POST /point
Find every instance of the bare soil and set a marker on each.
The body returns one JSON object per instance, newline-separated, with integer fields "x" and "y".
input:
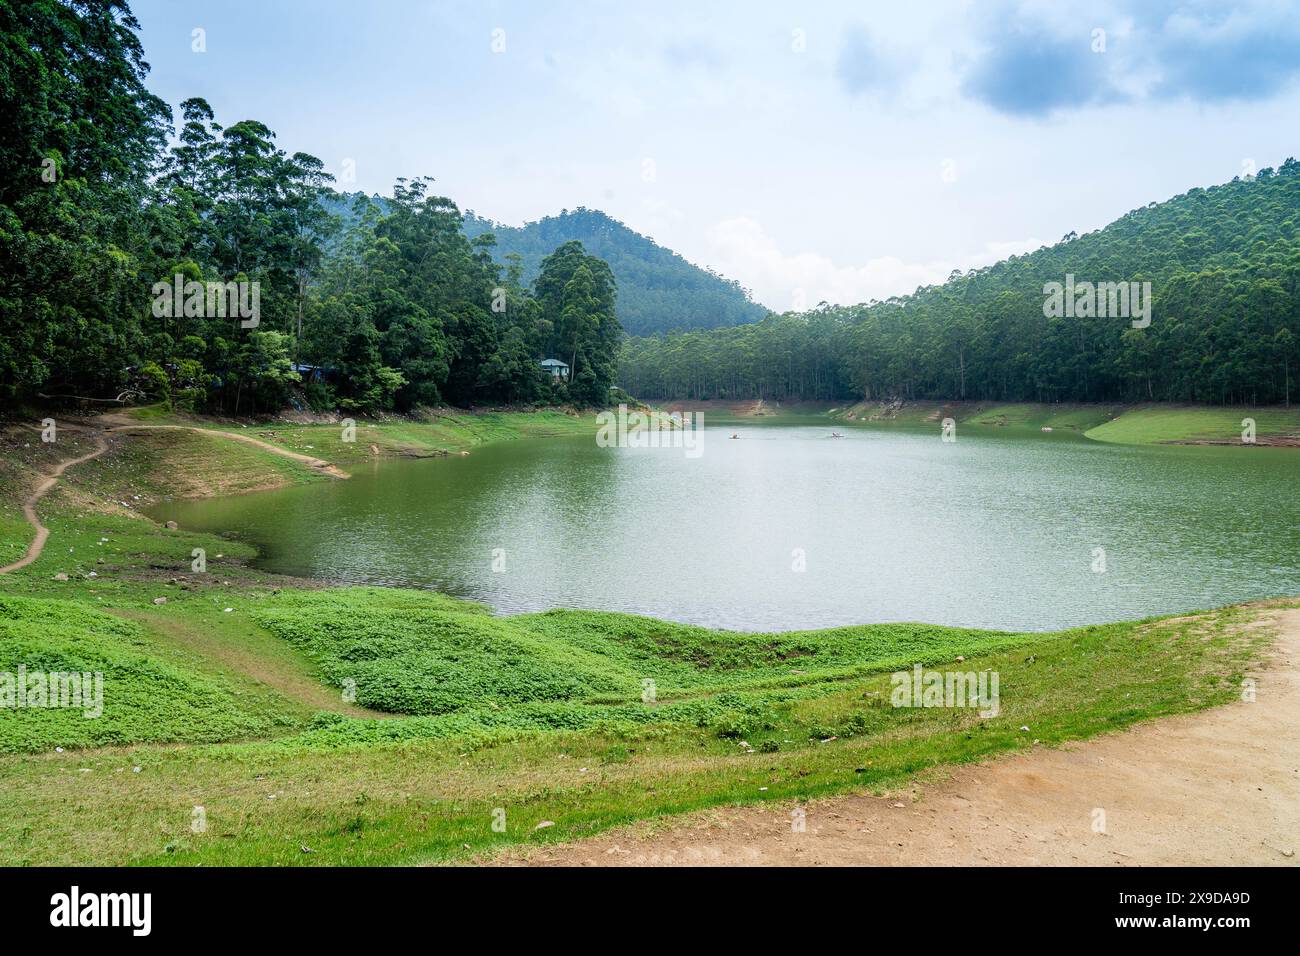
{"x": 1220, "y": 787}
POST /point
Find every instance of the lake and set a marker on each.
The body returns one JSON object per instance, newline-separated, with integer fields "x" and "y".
{"x": 788, "y": 528}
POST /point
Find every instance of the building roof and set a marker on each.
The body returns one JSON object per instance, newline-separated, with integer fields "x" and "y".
{"x": 554, "y": 363}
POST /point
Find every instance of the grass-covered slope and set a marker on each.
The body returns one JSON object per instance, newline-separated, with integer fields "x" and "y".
{"x": 428, "y": 789}
{"x": 413, "y": 652}
{"x": 1121, "y": 424}
{"x": 461, "y": 671}
{"x": 428, "y": 435}
{"x": 139, "y": 697}
{"x": 1148, "y": 424}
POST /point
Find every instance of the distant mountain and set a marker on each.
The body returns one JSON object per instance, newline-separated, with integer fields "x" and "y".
{"x": 658, "y": 290}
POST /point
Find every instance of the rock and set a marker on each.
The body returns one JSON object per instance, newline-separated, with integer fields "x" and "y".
{"x": 171, "y": 526}
{"x": 544, "y": 824}
{"x": 60, "y": 576}
{"x": 159, "y": 600}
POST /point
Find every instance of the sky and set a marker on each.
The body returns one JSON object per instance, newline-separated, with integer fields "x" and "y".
{"x": 813, "y": 151}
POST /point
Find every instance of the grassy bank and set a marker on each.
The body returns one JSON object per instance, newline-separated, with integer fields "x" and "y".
{"x": 579, "y": 748}
{"x": 366, "y": 725}
{"x": 430, "y": 434}
{"x": 1121, "y": 424}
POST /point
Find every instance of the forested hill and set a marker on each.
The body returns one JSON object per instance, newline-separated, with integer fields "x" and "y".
{"x": 200, "y": 264}
{"x": 1224, "y": 269}
{"x": 658, "y": 290}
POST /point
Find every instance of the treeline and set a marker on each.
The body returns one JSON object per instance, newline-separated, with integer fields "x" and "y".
{"x": 212, "y": 273}
{"x": 1224, "y": 268}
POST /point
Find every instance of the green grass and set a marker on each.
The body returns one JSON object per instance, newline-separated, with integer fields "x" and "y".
{"x": 1164, "y": 423}
{"x": 1075, "y": 418}
{"x": 411, "y": 652}
{"x": 436, "y": 433}
{"x": 398, "y": 795}
{"x": 1121, "y": 424}
{"x": 459, "y": 712}
{"x": 143, "y": 698}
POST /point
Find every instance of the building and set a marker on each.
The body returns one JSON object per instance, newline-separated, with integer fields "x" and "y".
{"x": 556, "y": 369}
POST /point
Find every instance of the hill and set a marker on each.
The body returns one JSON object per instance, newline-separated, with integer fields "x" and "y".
{"x": 658, "y": 290}
{"x": 1222, "y": 321}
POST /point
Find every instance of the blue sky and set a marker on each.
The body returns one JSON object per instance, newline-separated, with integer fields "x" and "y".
{"x": 830, "y": 151}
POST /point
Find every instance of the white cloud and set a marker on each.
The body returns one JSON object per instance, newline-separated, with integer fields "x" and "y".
{"x": 740, "y": 249}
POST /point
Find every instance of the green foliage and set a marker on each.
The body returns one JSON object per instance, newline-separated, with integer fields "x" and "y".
{"x": 658, "y": 290}
{"x": 79, "y": 136}
{"x": 464, "y": 671}
{"x": 144, "y": 698}
{"x": 1224, "y": 268}
{"x": 575, "y": 292}
{"x": 99, "y": 220}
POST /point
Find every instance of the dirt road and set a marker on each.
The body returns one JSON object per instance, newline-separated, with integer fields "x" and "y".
{"x": 1218, "y": 787}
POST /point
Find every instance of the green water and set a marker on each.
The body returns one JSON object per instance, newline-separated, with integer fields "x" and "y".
{"x": 993, "y": 530}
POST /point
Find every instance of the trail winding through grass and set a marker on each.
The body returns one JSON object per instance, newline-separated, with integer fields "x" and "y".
{"x": 118, "y": 424}
{"x": 110, "y": 424}
{"x": 29, "y": 505}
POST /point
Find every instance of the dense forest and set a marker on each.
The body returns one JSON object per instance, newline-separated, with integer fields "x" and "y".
{"x": 131, "y": 248}
{"x": 1224, "y": 268}
{"x": 658, "y": 290}
{"x": 203, "y": 266}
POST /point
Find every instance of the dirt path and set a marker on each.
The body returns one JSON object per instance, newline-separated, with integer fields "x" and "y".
{"x": 109, "y": 424}
{"x": 320, "y": 464}
{"x": 29, "y": 505}
{"x": 1219, "y": 787}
